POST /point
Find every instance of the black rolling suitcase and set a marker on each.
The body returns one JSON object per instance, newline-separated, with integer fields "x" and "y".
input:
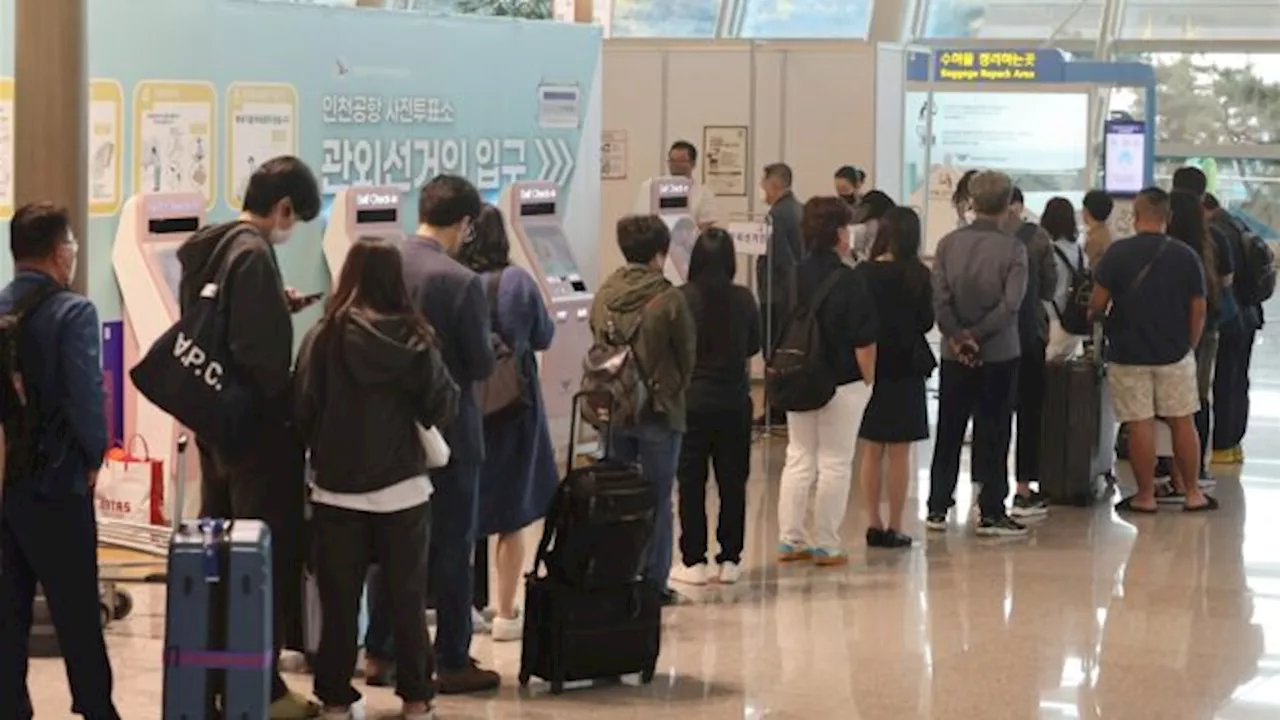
{"x": 589, "y": 611}
{"x": 1069, "y": 432}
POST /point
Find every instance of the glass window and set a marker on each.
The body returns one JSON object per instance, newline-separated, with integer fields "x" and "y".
{"x": 1201, "y": 19}
{"x": 665, "y": 18}
{"x": 1212, "y": 98}
{"x": 806, "y": 18}
{"x": 1248, "y": 187}
{"x": 1014, "y": 19}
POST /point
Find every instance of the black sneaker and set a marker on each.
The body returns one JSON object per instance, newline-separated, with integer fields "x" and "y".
{"x": 893, "y": 539}
{"x": 936, "y": 522}
{"x": 876, "y": 537}
{"x": 1004, "y": 526}
{"x": 1033, "y": 505}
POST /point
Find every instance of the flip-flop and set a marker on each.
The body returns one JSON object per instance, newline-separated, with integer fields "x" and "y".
{"x": 1210, "y": 504}
{"x": 1126, "y": 506}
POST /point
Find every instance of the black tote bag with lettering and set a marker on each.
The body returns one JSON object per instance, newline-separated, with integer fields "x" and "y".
{"x": 189, "y": 373}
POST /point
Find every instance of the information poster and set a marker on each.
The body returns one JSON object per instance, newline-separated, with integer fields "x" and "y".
{"x": 559, "y": 106}
{"x": 613, "y": 155}
{"x": 6, "y": 147}
{"x": 1125, "y": 158}
{"x": 724, "y": 168}
{"x": 106, "y": 142}
{"x": 262, "y": 123}
{"x": 1017, "y": 132}
{"x": 173, "y": 129}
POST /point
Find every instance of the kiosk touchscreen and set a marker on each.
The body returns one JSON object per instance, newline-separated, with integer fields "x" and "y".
{"x": 539, "y": 245}
{"x": 360, "y": 211}
{"x": 670, "y": 199}
{"x": 145, "y": 259}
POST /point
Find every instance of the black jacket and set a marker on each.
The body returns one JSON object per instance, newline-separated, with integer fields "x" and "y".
{"x": 362, "y": 388}
{"x": 260, "y": 329}
{"x": 847, "y": 317}
{"x": 776, "y": 269}
{"x": 720, "y": 377}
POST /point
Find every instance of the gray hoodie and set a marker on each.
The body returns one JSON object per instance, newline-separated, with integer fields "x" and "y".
{"x": 979, "y": 280}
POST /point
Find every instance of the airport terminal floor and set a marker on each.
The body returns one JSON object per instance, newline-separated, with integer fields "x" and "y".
{"x": 1169, "y": 617}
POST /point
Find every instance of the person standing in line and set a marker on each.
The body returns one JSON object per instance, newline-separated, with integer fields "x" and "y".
{"x": 896, "y": 416}
{"x": 1059, "y": 221}
{"x": 369, "y": 375}
{"x": 265, "y": 479}
{"x": 1097, "y": 209}
{"x": 519, "y": 476}
{"x": 452, "y": 298}
{"x": 849, "y": 182}
{"x": 776, "y": 269}
{"x": 866, "y": 222}
{"x": 1033, "y": 336}
{"x": 48, "y": 533}
{"x": 1151, "y": 291}
{"x": 638, "y": 296}
{"x": 821, "y": 443}
{"x": 962, "y": 200}
{"x": 979, "y": 281}
{"x": 682, "y": 160}
{"x": 719, "y": 399}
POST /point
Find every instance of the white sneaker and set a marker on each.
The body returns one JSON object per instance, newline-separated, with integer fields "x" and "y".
{"x": 730, "y": 572}
{"x": 690, "y": 574}
{"x": 508, "y": 629}
{"x": 479, "y": 626}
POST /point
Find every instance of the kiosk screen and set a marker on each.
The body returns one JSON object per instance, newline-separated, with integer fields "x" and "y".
{"x": 166, "y": 256}
{"x": 535, "y": 209}
{"x": 552, "y": 249}
{"x": 385, "y": 215}
{"x": 678, "y": 202}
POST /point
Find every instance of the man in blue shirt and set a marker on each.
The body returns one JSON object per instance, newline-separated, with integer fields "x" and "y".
{"x": 48, "y": 533}
{"x": 1152, "y": 290}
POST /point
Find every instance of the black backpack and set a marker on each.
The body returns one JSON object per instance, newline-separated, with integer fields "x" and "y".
{"x": 1074, "y": 313}
{"x": 798, "y": 377}
{"x": 25, "y": 454}
{"x": 1255, "y": 278}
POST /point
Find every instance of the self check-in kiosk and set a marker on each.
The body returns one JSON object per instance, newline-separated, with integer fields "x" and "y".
{"x": 670, "y": 198}
{"x": 539, "y": 245}
{"x": 145, "y": 259}
{"x": 358, "y": 212}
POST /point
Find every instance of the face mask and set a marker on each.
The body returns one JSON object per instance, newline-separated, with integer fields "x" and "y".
{"x": 851, "y": 198}
{"x": 279, "y": 236}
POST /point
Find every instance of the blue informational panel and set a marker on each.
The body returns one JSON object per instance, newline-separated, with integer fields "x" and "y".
{"x": 191, "y": 96}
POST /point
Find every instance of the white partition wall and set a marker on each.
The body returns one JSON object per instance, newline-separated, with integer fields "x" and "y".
{"x": 808, "y": 104}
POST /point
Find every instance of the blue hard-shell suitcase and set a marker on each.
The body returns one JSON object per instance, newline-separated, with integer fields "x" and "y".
{"x": 218, "y": 621}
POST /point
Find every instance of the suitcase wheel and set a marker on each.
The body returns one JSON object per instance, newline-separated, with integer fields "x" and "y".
{"x": 106, "y": 613}
{"x": 123, "y": 605}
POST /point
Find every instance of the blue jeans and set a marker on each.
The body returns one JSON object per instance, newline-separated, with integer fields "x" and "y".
{"x": 455, "y": 512}
{"x": 657, "y": 450}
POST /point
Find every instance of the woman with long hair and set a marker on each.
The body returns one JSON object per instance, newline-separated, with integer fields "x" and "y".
{"x": 719, "y": 406}
{"x": 866, "y": 222}
{"x": 960, "y": 200}
{"x": 820, "y": 443}
{"x": 896, "y": 416}
{"x": 1059, "y": 221}
{"x": 369, "y": 378}
{"x": 519, "y": 474}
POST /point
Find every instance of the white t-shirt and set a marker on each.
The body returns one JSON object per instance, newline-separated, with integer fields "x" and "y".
{"x": 405, "y": 494}
{"x": 702, "y": 200}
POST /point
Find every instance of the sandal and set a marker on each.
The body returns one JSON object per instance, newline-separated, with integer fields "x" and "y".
{"x": 1126, "y": 506}
{"x": 1210, "y": 504}
{"x": 1167, "y": 494}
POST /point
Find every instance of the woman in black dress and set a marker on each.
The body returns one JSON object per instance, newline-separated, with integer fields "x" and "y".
{"x": 896, "y": 416}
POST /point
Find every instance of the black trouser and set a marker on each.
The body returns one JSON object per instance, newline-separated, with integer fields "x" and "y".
{"x": 984, "y": 393}
{"x": 1030, "y": 408}
{"x": 345, "y": 543}
{"x": 52, "y": 541}
{"x": 722, "y": 438}
{"x": 266, "y": 482}
{"x": 1231, "y": 387}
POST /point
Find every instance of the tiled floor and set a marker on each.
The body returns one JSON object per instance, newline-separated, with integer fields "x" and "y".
{"x": 1165, "y": 617}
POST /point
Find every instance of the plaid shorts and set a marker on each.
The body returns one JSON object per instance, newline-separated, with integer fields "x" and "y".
{"x": 1143, "y": 392}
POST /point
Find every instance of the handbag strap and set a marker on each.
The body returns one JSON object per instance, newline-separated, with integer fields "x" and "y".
{"x": 1146, "y": 269}
{"x": 491, "y": 293}
{"x": 549, "y": 524}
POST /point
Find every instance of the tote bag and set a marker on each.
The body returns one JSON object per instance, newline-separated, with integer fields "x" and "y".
{"x": 131, "y": 486}
{"x": 189, "y": 372}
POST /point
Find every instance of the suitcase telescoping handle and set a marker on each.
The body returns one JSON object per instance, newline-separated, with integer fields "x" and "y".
{"x": 575, "y": 415}
{"x": 180, "y": 481}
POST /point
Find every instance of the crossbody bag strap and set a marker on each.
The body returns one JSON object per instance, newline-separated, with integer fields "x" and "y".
{"x": 1146, "y": 269}
{"x": 491, "y": 293}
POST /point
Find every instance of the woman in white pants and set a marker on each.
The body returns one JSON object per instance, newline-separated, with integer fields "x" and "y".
{"x": 822, "y": 442}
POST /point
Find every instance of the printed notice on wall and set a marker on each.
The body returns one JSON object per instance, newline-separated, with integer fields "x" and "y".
{"x": 725, "y": 168}
{"x": 262, "y": 123}
{"x": 558, "y": 106}
{"x": 106, "y": 142}
{"x": 6, "y": 147}
{"x": 613, "y": 155}
{"x": 173, "y": 138}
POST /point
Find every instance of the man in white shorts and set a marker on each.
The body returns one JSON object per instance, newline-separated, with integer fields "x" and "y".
{"x": 1151, "y": 289}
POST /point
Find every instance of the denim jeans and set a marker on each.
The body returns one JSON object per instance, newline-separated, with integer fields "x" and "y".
{"x": 657, "y": 450}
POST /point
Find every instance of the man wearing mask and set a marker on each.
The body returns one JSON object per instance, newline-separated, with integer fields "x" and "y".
{"x": 264, "y": 479}
{"x": 452, "y": 298}
{"x": 682, "y": 159}
{"x": 776, "y": 269}
{"x": 47, "y": 529}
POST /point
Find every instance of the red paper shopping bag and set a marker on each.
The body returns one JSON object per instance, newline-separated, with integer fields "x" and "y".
{"x": 130, "y": 486}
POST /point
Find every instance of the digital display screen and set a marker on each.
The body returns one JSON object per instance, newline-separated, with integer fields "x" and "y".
{"x": 1125, "y": 157}
{"x": 166, "y": 256}
{"x": 386, "y": 215}
{"x": 552, "y": 250}
{"x": 538, "y": 209}
{"x": 669, "y": 203}
{"x": 173, "y": 225}
{"x": 684, "y": 233}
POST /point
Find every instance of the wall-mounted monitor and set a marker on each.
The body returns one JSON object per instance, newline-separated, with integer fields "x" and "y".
{"x": 1124, "y": 159}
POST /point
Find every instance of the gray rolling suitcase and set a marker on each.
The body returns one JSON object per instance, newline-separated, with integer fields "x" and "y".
{"x": 218, "y": 622}
{"x": 1069, "y": 433}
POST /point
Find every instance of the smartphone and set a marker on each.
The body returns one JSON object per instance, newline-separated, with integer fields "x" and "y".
{"x": 306, "y": 301}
